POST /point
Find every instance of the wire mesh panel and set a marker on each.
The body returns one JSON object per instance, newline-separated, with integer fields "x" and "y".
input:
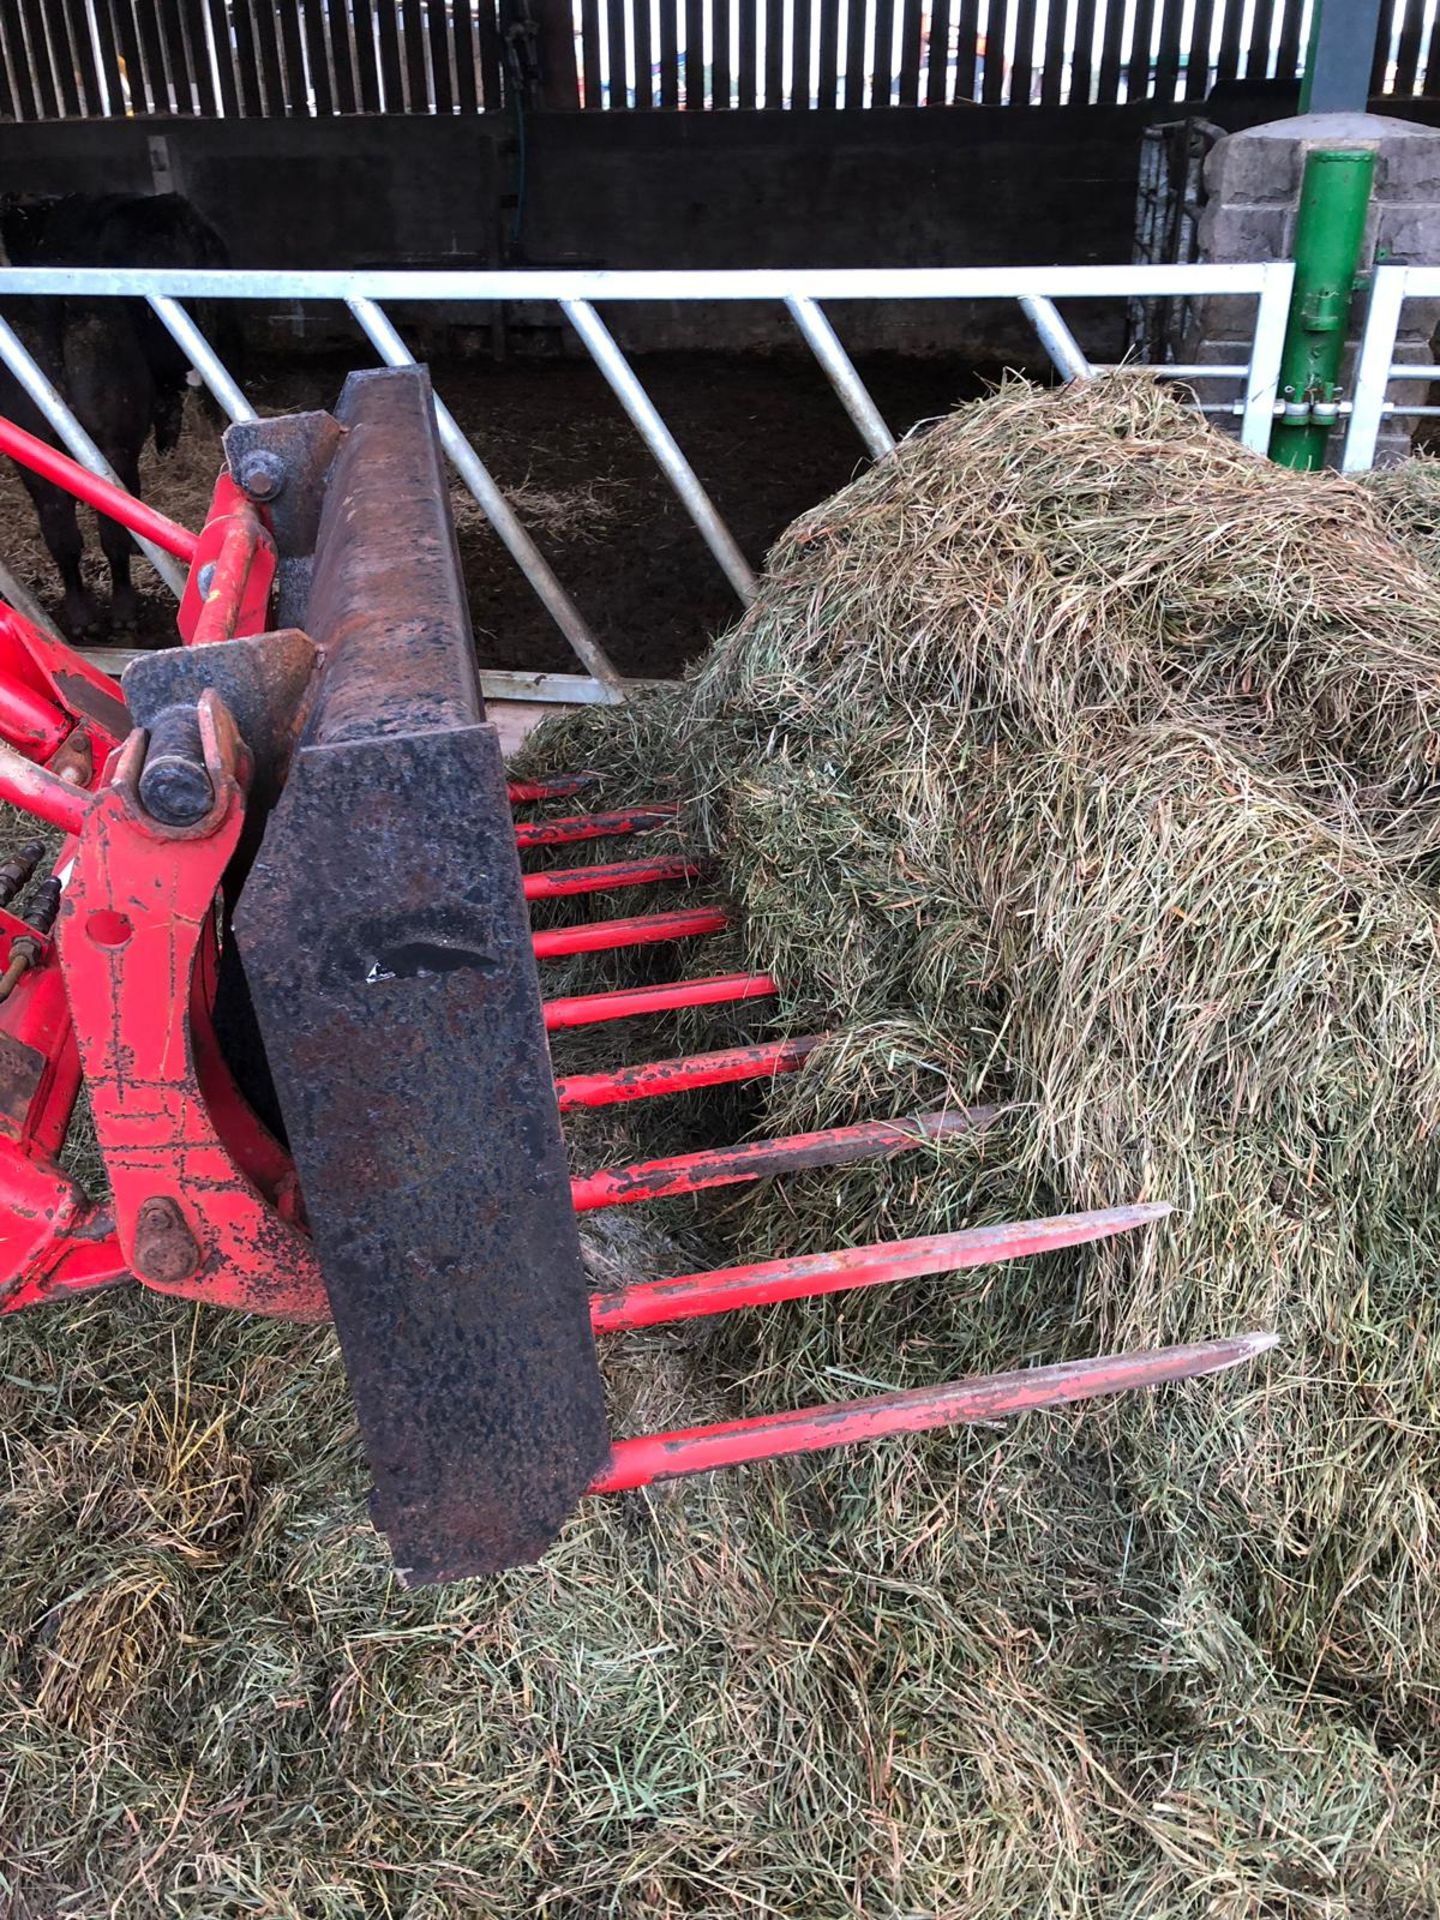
{"x": 1168, "y": 203}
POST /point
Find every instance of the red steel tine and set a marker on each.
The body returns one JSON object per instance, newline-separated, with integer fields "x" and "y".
{"x": 652, "y": 1303}
{"x": 591, "y": 826}
{"x": 644, "y": 929}
{"x": 35, "y": 790}
{"x": 658, "y": 1077}
{"x": 665, "y": 1456}
{"x": 759, "y": 1159}
{"x": 557, "y": 786}
{"x": 559, "y": 882}
{"x": 96, "y": 491}
{"x": 626, "y": 1003}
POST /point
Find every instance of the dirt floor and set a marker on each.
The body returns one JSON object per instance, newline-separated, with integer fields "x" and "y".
{"x": 766, "y": 435}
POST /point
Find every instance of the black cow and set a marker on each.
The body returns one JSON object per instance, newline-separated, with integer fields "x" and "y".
{"x": 116, "y": 365}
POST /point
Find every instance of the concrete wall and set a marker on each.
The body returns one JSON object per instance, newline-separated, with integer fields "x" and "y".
{"x": 927, "y": 187}
{"x": 906, "y": 187}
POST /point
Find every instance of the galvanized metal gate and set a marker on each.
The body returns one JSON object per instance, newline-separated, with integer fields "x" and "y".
{"x": 1377, "y": 369}
{"x": 579, "y": 296}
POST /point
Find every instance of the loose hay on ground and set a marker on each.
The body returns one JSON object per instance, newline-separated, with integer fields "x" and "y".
{"x": 1073, "y": 759}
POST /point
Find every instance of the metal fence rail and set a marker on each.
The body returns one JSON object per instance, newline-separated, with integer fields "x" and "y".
{"x": 826, "y": 54}
{"x": 1036, "y": 290}
{"x": 1376, "y": 368}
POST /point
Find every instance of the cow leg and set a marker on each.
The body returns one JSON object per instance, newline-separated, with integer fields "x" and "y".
{"x": 60, "y": 530}
{"x": 118, "y": 546}
{"x": 112, "y": 394}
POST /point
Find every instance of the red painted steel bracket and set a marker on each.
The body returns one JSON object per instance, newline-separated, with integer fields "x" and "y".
{"x": 201, "y": 1212}
{"x": 232, "y": 572}
{"x": 51, "y": 1237}
{"x": 55, "y": 708}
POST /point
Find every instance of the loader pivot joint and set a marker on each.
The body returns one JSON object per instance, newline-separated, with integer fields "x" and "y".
{"x": 175, "y": 787}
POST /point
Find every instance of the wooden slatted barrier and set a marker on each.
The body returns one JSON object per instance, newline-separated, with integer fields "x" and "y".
{"x": 67, "y": 59}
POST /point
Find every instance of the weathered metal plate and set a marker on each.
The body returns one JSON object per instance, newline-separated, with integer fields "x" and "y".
{"x": 386, "y": 942}
{"x": 262, "y": 678}
{"x": 302, "y": 447}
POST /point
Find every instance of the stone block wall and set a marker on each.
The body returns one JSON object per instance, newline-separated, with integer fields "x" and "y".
{"x": 1253, "y": 183}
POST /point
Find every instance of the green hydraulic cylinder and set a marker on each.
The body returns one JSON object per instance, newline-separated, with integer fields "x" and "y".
{"x": 1329, "y": 234}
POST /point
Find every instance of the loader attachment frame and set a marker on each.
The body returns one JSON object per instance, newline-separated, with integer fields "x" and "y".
{"x": 284, "y": 945}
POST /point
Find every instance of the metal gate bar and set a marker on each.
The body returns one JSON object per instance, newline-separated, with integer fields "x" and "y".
{"x": 824, "y": 343}
{"x": 1374, "y": 365}
{"x": 202, "y": 356}
{"x": 1056, "y": 337}
{"x": 46, "y": 396}
{"x": 625, "y": 384}
{"x": 16, "y": 594}
{"x": 1035, "y": 288}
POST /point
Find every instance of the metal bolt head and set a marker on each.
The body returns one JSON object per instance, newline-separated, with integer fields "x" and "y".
{"x": 262, "y": 475}
{"x": 165, "y": 1249}
{"x": 205, "y": 579}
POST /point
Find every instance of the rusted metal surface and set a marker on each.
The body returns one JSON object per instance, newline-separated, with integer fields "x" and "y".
{"x": 165, "y": 1249}
{"x": 98, "y": 703}
{"x": 558, "y": 786}
{"x": 22, "y": 1069}
{"x": 654, "y": 1303}
{"x": 175, "y": 786}
{"x": 24, "y": 952}
{"x": 653, "y": 1079}
{"x": 386, "y": 940}
{"x": 761, "y": 1159}
{"x": 591, "y": 826}
{"x": 628, "y": 1003}
{"x": 74, "y": 758}
{"x": 299, "y": 448}
{"x": 995, "y": 1396}
{"x": 387, "y": 602}
{"x": 262, "y": 679}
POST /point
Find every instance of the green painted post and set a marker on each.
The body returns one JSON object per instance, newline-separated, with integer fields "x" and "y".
{"x": 1329, "y": 233}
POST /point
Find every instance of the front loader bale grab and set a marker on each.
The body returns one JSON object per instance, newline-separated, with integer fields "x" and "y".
{"x": 285, "y": 947}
